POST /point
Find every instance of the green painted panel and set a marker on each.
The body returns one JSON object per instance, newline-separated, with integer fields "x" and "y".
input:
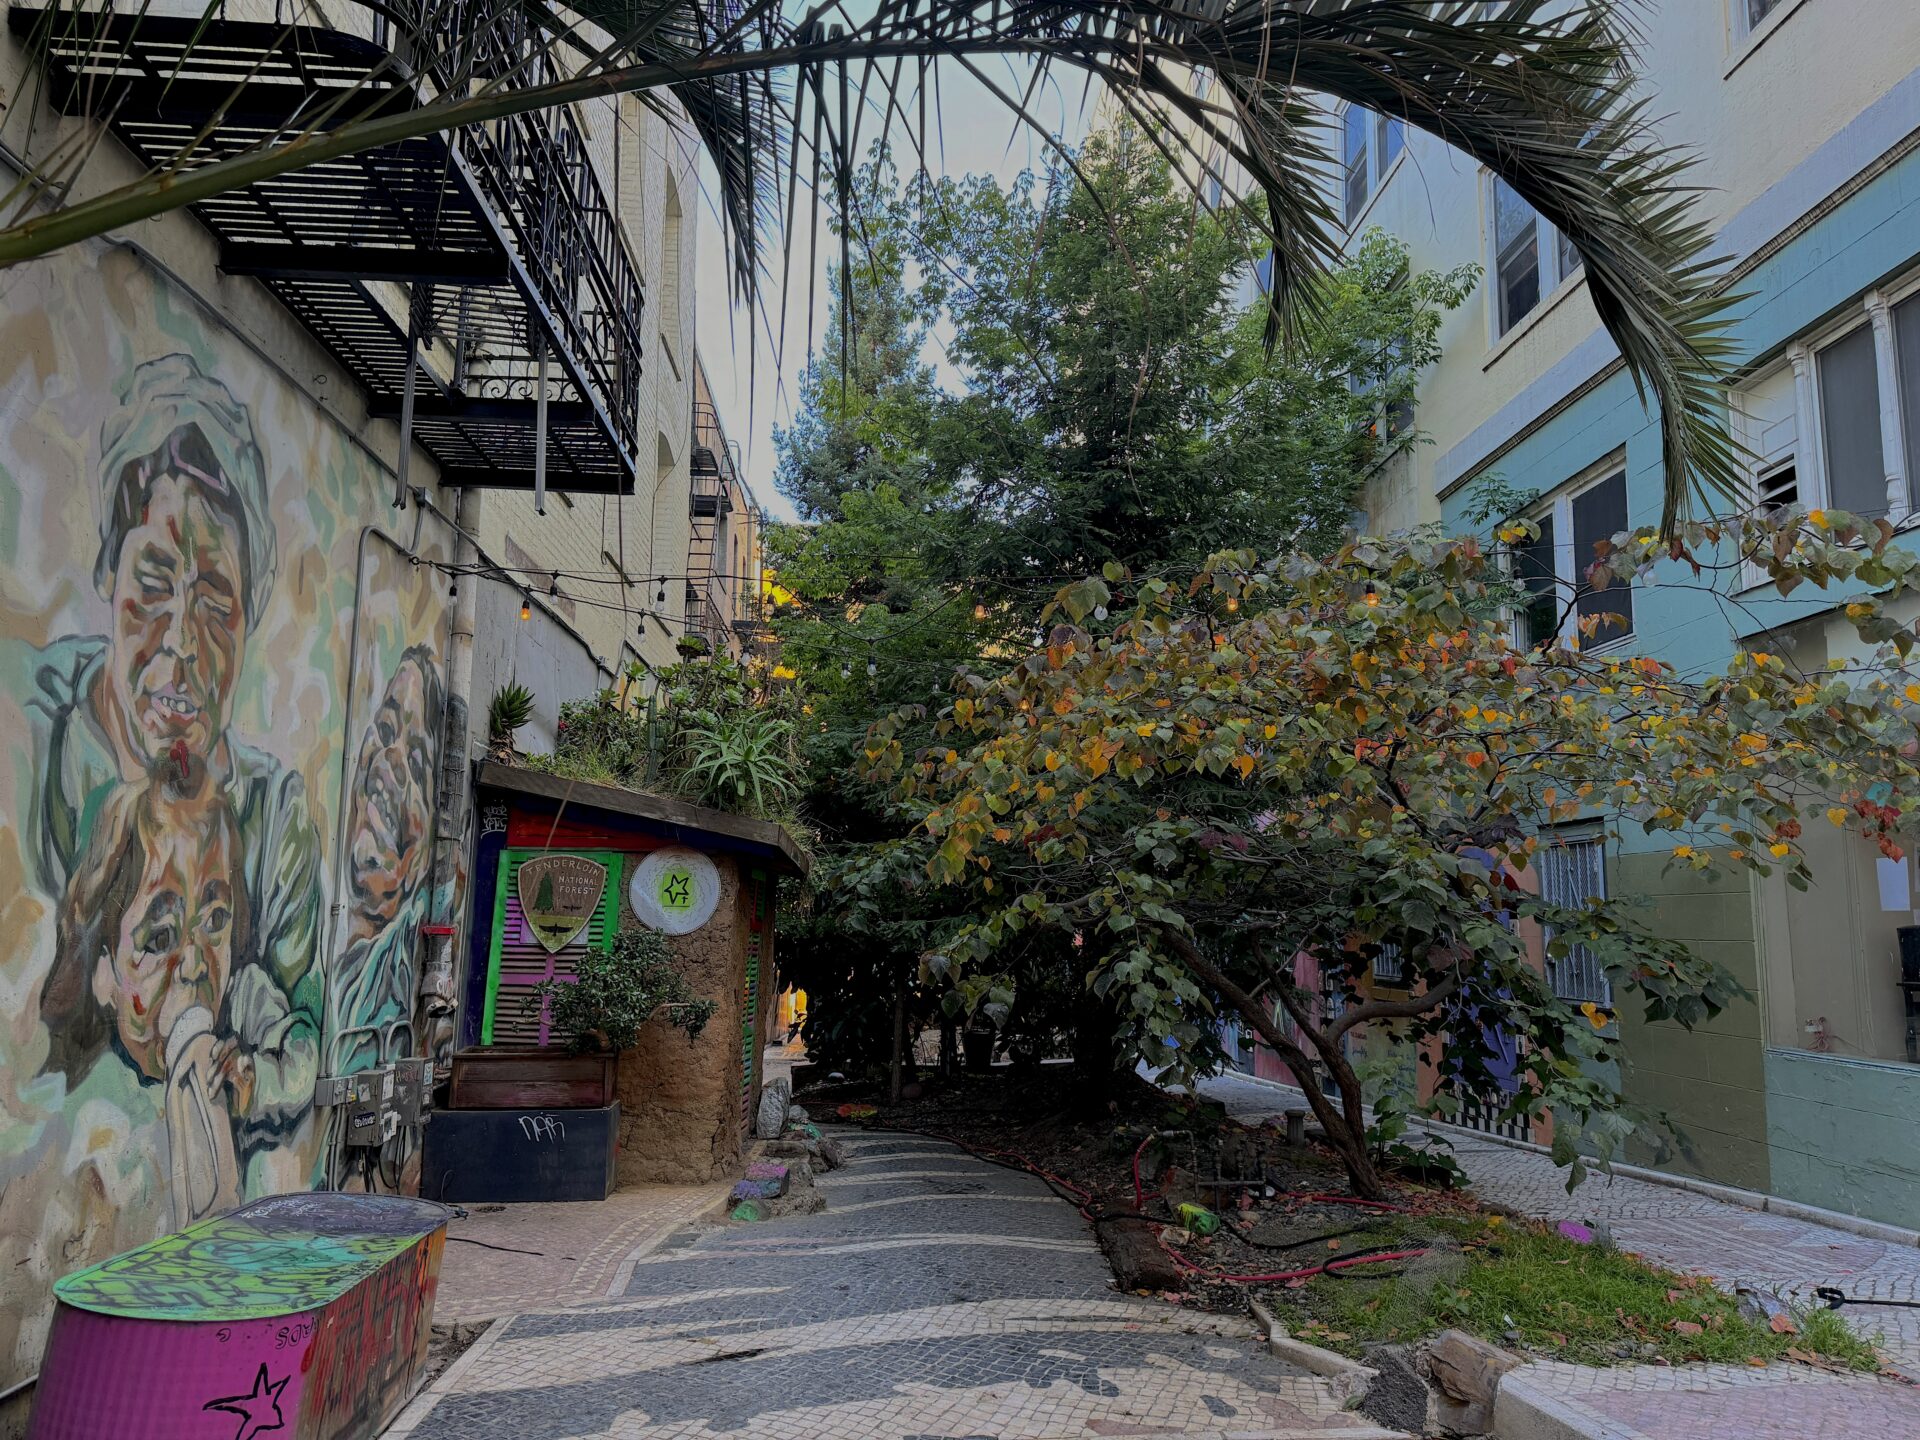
{"x": 278, "y": 1256}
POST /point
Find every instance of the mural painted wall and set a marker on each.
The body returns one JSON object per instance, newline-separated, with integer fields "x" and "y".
{"x": 221, "y": 705}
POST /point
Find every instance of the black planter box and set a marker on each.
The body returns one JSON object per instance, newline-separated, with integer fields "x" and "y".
{"x": 518, "y": 1156}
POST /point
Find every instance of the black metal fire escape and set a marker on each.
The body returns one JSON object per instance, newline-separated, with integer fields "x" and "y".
{"x": 475, "y": 279}
{"x": 715, "y": 486}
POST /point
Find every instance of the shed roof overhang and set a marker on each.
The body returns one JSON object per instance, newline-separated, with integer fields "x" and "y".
{"x": 692, "y": 825}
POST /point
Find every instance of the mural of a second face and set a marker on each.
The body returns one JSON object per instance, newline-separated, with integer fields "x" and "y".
{"x": 222, "y": 701}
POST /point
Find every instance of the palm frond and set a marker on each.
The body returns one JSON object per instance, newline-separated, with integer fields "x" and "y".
{"x": 1541, "y": 92}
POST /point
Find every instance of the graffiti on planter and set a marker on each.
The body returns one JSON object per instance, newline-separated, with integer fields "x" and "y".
{"x": 306, "y": 1312}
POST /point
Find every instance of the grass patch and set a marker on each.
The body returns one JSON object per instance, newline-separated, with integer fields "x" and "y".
{"x": 1570, "y": 1301}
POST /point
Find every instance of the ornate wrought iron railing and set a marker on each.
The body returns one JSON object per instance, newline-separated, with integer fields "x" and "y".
{"x": 493, "y": 253}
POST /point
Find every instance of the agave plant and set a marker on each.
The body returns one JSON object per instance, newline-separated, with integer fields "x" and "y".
{"x": 1542, "y": 92}
{"x": 510, "y": 708}
{"x": 743, "y": 761}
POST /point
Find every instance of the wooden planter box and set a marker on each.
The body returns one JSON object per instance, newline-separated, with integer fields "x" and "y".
{"x": 499, "y": 1079}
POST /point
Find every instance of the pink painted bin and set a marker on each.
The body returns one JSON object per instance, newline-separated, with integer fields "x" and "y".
{"x": 297, "y": 1317}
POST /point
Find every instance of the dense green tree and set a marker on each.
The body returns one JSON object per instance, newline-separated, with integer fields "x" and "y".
{"x": 1107, "y": 398}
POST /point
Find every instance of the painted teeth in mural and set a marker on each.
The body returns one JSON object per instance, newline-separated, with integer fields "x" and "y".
{"x": 222, "y": 703}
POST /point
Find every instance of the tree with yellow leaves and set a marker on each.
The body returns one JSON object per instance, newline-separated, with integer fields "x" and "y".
{"x": 1331, "y": 756}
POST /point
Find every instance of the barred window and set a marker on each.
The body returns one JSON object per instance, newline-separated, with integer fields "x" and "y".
{"x": 1573, "y": 871}
{"x": 1390, "y": 966}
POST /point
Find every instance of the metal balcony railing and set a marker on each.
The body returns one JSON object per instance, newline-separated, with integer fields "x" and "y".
{"x": 483, "y": 252}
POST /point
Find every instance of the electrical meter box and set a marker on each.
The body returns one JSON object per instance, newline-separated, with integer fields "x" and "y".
{"x": 371, "y": 1117}
{"x": 413, "y": 1090}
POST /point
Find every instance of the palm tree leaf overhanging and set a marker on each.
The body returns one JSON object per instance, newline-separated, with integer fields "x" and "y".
{"x": 1542, "y": 92}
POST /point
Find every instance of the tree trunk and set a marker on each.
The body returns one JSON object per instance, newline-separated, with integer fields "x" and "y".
{"x": 949, "y": 1047}
{"x": 1345, "y": 1132}
{"x": 896, "y": 1077}
{"x": 1095, "y": 1053}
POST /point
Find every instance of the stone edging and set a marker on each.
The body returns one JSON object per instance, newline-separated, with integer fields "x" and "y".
{"x": 1727, "y": 1194}
{"x": 1346, "y": 1378}
{"x": 623, "y": 1272}
{"x": 1523, "y": 1411}
{"x": 443, "y": 1383}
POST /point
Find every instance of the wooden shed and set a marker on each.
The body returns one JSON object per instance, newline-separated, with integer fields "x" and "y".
{"x": 676, "y": 1109}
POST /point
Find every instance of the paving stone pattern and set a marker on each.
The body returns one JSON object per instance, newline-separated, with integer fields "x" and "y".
{"x": 1687, "y": 1231}
{"x": 501, "y": 1260}
{"x": 936, "y": 1298}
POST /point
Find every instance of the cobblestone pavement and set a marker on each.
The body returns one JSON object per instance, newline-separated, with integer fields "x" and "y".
{"x": 936, "y": 1298}
{"x": 503, "y": 1259}
{"x": 1687, "y": 1231}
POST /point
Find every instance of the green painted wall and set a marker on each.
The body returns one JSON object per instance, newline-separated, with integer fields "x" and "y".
{"x": 1710, "y": 1080}
{"x": 1845, "y": 1134}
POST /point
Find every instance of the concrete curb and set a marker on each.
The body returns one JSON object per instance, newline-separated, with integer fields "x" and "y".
{"x": 623, "y": 1272}
{"x": 1348, "y": 1378}
{"x": 1726, "y": 1194}
{"x": 422, "y": 1404}
{"x": 1523, "y": 1411}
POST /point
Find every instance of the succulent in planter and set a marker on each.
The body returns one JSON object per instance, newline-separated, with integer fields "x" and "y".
{"x": 510, "y": 708}
{"x": 615, "y": 992}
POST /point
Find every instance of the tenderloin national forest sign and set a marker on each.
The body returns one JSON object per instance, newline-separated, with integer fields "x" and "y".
{"x": 558, "y": 895}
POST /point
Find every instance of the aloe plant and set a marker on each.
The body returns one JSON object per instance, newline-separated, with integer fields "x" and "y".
{"x": 743, "y": 761}
{"x": 510, "y": 708}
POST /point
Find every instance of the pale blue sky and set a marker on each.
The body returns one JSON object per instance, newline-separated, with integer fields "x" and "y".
{"x": 979, "y": 135}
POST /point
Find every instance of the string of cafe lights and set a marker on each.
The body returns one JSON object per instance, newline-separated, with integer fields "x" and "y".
{"x": 852, "y": 642}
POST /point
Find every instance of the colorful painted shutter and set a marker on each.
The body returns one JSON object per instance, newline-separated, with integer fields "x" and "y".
{"x": 517, "y": 961}
{"x": 750, "y": 1008}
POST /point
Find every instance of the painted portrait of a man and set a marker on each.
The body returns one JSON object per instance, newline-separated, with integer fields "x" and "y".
{"x": 388, "y": 855}
{"x": 185, "y": 565}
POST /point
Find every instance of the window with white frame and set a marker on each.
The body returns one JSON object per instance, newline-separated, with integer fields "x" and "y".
{"x": 1573, "y": 870}
{"x": 1530, "y": 257}
{"x": 1552, "y": 570}
{"x": 1837, "y": 426}
{"x": 1750, "y": 15}
{"x": 1370, "y": 143}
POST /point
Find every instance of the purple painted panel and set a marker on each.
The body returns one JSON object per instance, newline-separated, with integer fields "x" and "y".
{"x": 171, "y": 1380}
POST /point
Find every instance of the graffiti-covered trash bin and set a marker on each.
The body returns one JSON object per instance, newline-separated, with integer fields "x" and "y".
{"x": 303, "y": 1317}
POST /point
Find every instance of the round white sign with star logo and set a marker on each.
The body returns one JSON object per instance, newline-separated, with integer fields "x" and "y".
{"x": 675, "y": 890}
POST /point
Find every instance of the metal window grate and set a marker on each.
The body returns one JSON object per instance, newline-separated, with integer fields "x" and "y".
{"x": 1390, "y": 966}
{"x": 1572, "y": 872}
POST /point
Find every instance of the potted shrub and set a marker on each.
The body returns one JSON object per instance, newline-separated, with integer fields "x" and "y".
{"x": 616, "y": 991}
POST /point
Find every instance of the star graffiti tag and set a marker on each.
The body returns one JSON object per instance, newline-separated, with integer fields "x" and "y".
{"x": 259, "y": 1410}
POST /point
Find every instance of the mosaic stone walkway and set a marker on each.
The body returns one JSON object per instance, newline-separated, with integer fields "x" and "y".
{"x": 1688, "y": 1231}
{"x": 501, "y": 1260}
{"x": 936, "y": 1298}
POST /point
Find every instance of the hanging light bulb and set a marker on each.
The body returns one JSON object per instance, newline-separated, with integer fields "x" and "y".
{"x": 846, "y": 669}
{"x": 526, "y": 610}
{"x": 979, "y": 610}
{"x": 1233, "y": 603}
{"x": 1099, "y": 612}
{"x": 660, "y": 595}
{"x": 873, "y": 668}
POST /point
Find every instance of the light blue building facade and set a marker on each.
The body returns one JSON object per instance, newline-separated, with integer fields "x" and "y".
{"x": 1810, "y": 1089}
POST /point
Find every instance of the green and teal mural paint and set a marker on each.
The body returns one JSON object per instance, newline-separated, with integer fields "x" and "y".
{"x": 222, "y": 699}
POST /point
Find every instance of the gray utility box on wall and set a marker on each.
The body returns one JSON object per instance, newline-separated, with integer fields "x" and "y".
{"x": 518, "y": 1156}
